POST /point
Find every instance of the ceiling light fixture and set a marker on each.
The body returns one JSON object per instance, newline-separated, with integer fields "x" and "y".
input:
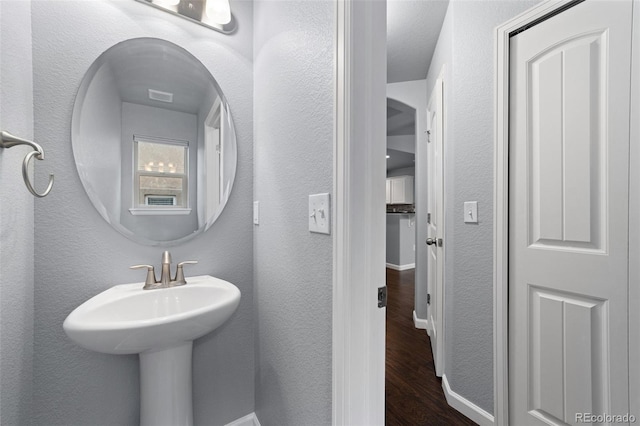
{"x": 219, "y": 11}
{"x": 165, "y": 3}
{"x": 213, "y": 14}
{"x": 388, "y": 156}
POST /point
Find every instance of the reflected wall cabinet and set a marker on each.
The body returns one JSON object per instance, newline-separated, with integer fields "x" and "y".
{"x": 400, "y": 190}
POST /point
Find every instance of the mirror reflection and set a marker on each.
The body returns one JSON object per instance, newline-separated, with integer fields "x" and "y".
{"x": 154, "y": 141}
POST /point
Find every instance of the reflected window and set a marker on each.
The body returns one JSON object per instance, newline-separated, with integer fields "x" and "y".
{"x": 161, "y": 172}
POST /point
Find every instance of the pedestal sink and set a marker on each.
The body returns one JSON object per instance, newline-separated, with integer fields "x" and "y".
{"x": 160, "y": 325}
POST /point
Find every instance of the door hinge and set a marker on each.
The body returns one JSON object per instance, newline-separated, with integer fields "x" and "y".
{"x": 428, "y": 299}
{"x": 428, "y": 136}
{"x": 382, "y": 297}
{"x": 429, "y": 218}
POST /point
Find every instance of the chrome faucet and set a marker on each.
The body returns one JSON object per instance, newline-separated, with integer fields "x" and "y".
{"x": 165, "y": 276}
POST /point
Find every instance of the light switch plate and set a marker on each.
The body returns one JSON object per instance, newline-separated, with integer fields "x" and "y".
{"x": 256, "y": 212}
{"x": 471, "y": 212}
{"x": 320, "y": 213}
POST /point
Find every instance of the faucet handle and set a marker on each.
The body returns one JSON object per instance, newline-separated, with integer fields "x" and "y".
{"x": 180, "y": 272}
{"x": 151, "y": 275}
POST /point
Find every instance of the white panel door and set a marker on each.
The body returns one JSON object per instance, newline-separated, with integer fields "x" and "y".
{"x": 568, "y": 215}
{"x": 435, "y": 225}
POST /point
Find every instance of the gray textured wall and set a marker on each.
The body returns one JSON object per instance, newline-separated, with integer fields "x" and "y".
{"x": 393, "y": 239}
{"x": 407, "y": 239}
{"x": 16, "y": 217}
{"x": 401, "y": 239}
{"x": 466, "y": 45}
{"x": 293, "y": 111}
{"x": 79, "y": 255}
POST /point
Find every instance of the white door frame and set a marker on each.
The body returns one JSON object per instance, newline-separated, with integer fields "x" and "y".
{"x": 501, "y": 201}
{"x": 359, "y": 215}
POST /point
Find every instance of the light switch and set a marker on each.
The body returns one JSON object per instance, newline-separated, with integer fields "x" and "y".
{"x": 471, "y": 212}
{"x": 256, "y": 212}
{"x": 319, "y": 213}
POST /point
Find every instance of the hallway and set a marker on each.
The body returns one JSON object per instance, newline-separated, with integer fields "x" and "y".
{"x": 414, "y": 394}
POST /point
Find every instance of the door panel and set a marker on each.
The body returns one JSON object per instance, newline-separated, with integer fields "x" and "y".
{"x": 435, "y": 228}
{"x": 567, "y": 335}
{"x": 568, "y": 215}
{"x": 566, "y": 145}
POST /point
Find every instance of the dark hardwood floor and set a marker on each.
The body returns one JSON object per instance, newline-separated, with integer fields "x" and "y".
{"x": 414, "y": 394}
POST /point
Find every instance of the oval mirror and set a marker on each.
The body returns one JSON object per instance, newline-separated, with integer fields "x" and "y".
{"x": 154, "y": 141}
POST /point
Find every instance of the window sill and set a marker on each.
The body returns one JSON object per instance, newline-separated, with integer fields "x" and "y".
{"x": 159, "y": 211}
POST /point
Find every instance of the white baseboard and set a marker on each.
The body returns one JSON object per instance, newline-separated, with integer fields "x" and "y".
{"x": 420, "y": 323}
{"x": 465, "y": 406}
{"x": 248, "y": 420}
{"x": 401, "y": 267}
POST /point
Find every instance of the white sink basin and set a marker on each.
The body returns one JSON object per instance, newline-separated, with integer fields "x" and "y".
{"x": 160, "y": 325}
{"x": 127, "y": 320}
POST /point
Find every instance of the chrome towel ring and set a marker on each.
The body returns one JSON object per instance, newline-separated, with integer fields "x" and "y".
{"x": 7, "y": 140}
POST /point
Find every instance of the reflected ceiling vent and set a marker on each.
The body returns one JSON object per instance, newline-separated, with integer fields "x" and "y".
{"x": 157, "y": 95}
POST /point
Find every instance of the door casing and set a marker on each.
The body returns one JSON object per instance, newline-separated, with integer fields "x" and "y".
{"x": 359, "y": 217}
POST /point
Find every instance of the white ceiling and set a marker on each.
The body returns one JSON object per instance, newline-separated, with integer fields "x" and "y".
{"x": 143, "y": 64}
{"x": 413, "y": 27}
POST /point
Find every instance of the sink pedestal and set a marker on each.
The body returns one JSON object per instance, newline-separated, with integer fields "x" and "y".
{"x": 165, "y": 386}
{"x": 161, "y": 326}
